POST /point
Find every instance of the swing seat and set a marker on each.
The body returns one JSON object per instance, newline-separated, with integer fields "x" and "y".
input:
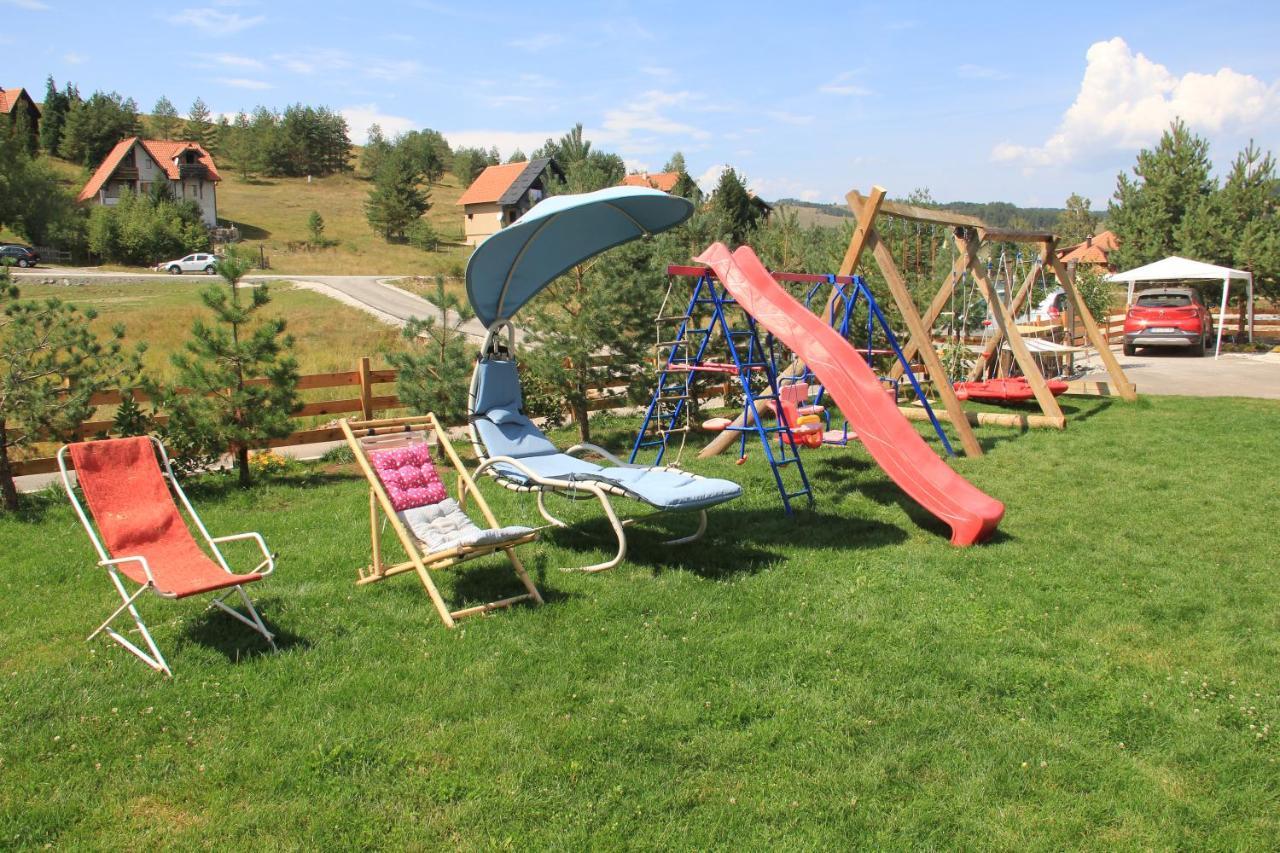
{"x": 1015, "y": 390}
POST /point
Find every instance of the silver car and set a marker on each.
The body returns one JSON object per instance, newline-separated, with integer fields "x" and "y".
{"x": 197, "y": 262}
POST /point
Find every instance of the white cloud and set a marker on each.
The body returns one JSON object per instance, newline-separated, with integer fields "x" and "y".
{"x": 75, "y": 58}
{"x": 231, "y": 60}
{"x": 789, "y": 118}
{"x": 360, "y": 116}
{"x": 657, "y": 71}
{"x": 981, "y": 72}
{"x": 537, "y": 42}
{"x": 637, "y": 127}
{"x": 313, "y": 61}
{"x": 843, "y": 85}
{"x": 707, "y": 180}
{"x": 1126, "y": 101}
{"x": 506, "y": 140}
{"x": 29, "y": 5}
{"x": 215, "y": 21}
{"x": 391, "y": 70}
{"x": 243, "y": 83}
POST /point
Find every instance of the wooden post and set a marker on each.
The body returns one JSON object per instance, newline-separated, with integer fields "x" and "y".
{"x": 1100, "y": 343}
{"x": 366, "y": 389}
{"x": 911, "y": 347}
{"x": 907, "y": 307}
{"x": 1007, "y": 328}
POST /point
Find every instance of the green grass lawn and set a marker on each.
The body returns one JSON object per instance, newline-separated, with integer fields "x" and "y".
{"x": 1101, "y": 675}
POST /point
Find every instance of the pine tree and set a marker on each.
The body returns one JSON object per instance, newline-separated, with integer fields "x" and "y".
{"x": 1168, "y": 181}
{"x": 239, "y": 144}
{"x": 434, "y": 375}
{"x": 198, "y": 127}
{"x": 518, "y": 156}
{"x": 676, "y": 164}
{"x": 734, "y": 207}
{"x": 1077, "y": 223}
{"x": 53, "y": 115}
{"x": 93, "y": 127}
{"x": 315, "y": 225}
{"x": 164, "y": 119}
{"x": 51, "y": 364}
{"x": 375, "y": 150}
{"x": 396, "y": 202}
{"x": 223, "y": 411}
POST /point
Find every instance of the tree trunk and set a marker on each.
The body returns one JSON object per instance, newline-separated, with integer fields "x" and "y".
{"x": 242, "y": 466}
{"x": 7, "y": 486}
{"x": 580, "y": 417}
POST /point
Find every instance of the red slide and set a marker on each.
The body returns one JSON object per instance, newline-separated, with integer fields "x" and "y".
{"x": 890, "y": 438}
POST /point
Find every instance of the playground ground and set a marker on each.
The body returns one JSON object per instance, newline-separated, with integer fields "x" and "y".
{"x": 1164, "y": 373}
{"x": 1101, "y": 675}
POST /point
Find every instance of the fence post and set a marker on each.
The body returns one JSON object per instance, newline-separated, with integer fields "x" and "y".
{"x": 366, "y": 389}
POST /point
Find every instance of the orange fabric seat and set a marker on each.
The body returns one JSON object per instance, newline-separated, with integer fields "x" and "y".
{"x": 137, "y": 517}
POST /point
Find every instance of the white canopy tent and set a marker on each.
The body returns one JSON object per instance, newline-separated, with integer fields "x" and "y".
{"x": 1174, "y": 268}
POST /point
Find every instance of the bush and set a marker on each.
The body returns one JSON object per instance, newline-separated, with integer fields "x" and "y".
{"x": 141, "y": 230}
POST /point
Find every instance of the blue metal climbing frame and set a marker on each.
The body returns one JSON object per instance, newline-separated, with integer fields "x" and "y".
{"x": 686, "y": 355}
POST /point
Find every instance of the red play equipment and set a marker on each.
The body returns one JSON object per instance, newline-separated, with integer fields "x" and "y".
{"x": 892, "y": 441}
{"x": 1013, "y": 390}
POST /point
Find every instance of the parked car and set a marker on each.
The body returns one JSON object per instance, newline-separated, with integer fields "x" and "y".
{"x": 1050, "y": 309}
{"x": 197, "y": 262}
{"x": 1168, "y": 317}
{"x": 19, "y": 255}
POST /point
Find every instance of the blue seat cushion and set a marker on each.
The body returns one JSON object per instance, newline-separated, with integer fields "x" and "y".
{"x": 670, "y": 490}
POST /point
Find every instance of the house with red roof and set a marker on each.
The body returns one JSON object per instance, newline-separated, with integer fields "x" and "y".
{"x": 16, "y": 103}
{"x": 665, "y": 181}
{"x": 501, "y": 194}
{"x": 1093, "y": 252}
{"x": 135, "y": 165}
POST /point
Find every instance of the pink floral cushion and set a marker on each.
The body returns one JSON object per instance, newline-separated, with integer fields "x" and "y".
{"x": 408, "y": 475}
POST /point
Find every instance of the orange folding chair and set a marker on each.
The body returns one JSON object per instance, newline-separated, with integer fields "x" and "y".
{"x": 139, "y": 533}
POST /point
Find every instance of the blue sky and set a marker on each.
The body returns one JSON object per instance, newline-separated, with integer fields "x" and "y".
{"x": 1016, "y": 102}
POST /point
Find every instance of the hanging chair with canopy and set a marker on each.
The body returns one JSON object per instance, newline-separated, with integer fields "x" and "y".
{"x": 506, "y": 271}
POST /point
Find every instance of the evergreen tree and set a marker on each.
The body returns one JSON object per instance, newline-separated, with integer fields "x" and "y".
{"x": 33, "y": 201}
{"x": 434, "y": 375}
{"x": 604, "y": 306}
{"x": 468, "y": 163}
{"x": 164, "y": 120}
{"x": 53, "y": 114}
{"x": 1168, "y": 181}
{"x": 1077, "y": 223}
{"x": 224, "y": 411}
{"x": 199, "y": 127}
{"x": 518, "y": 156}
{"x": 734, "y": 206}
{"x": 239, "y": 145}
{"x": 51, "y": 364}
{"x": 395, "y": 202}
{"x": 93, "y": 127}
{"x": 676, "y": 164}
{"x": 315, "y": 225}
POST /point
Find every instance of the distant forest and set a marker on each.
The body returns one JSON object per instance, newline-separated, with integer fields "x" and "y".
{"x": 999, "y": 214}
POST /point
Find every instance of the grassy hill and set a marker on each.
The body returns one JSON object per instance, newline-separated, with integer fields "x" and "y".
{"x": 272, "y": 213}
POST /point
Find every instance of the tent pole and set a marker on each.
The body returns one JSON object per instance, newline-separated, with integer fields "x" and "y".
{"x": 1222, "y": 314}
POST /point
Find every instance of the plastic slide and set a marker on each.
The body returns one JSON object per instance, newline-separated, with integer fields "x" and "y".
{"x": 891, "y": 440}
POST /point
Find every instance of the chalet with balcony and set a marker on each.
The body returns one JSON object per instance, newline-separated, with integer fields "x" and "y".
{"x": 136, "y": 165}
{"x": 16, "y": 105}
{"x": 501, "y": 194}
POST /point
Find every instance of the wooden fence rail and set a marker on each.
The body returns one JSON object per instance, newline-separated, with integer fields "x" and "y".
{"x": 366, "y": 403}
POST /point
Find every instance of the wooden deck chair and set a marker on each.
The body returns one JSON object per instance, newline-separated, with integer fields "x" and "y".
{"x": 404, "y": 486}
{"x": 140, "y": 534}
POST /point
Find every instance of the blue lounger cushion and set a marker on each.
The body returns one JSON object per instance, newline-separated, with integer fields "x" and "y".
{"x": 506, "y": 431}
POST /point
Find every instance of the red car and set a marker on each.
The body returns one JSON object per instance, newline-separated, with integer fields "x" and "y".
{"x": 1168, "y": 317}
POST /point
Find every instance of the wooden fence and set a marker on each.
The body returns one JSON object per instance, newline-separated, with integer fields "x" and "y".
{"x": 362, "y": 381}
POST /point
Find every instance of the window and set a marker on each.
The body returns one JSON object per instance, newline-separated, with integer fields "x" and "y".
{"x": 1164, "y": 300}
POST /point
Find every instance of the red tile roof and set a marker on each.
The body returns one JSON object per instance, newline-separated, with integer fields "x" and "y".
{"x": 492, "y": 183}
{"x": 1095, "y": 250}
{"x": 164, "y": 152}
{"x": 9, "y": 99}
{"x": 665, "y": 181}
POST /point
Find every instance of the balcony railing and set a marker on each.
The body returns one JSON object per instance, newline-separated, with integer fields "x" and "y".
{"x": 192, "y": 170}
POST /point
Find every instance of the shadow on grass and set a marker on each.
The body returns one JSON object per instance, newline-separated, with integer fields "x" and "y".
{"x": 493, "y": 578}
{"x": 252, "y": 232}
{"x": 217, "y": 630}
{"x": 737, "y": 541}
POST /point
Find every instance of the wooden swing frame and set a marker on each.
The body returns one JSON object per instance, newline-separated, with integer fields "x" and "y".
{"x": 970, "y": 233}
{"x": 424, "y": 563}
